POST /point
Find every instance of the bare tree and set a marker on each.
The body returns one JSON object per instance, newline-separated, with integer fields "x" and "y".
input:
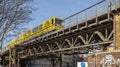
{"x": 14, "y": 14}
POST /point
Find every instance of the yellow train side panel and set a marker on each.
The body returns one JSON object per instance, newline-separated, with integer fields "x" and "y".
{"x": 21, "y": 38}
{"x": 27, "y": 35}
{"x": 12, "y": 43}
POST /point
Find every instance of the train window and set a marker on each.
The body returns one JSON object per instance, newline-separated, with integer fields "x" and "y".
{"x": 58, "y": 21}
{"x": 40, "y": 27}
{"x": 35, "y": 29}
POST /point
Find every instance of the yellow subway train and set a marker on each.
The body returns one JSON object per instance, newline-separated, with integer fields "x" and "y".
{"x": 47, "y": 26}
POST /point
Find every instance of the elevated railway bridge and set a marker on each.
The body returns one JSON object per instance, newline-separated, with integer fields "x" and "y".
{"x": 97, "y": 25}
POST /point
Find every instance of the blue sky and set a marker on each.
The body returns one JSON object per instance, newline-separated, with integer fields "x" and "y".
{"x": 46, "y": 9}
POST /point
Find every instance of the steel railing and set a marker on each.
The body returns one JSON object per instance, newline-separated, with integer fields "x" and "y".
{"x": 94, "y": 10}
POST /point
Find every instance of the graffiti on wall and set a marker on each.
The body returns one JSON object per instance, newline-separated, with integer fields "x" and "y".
{"x": 109, "y": 60}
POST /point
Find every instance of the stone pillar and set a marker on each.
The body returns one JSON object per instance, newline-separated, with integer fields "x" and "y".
{"x": 117, "y": 31}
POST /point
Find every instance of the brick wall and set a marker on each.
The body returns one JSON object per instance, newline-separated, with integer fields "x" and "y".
{"x": 117, "y": 27}
{"x": 104, "y": 59}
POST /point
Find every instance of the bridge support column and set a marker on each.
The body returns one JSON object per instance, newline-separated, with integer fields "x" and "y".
{"x": 18, "y": 62}
{"x": 13, "y": 58}
{"x": 74, "y": 61}
{"x": 10, "y": 58}
{"x": 60, "y": 61}
{"x": 117, "y": 31}
{"x": 53, "y": 62}
{"x": 2, "y": 62}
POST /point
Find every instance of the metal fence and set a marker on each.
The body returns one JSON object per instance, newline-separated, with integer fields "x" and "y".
{"x": 94, "y": 10}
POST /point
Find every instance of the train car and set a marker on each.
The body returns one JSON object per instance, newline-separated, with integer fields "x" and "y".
{"x": 21, "y": 38}
{"x": 12, "y": 43}
{"x": 26, "y": 35}
{"x": 48, "y": 26}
